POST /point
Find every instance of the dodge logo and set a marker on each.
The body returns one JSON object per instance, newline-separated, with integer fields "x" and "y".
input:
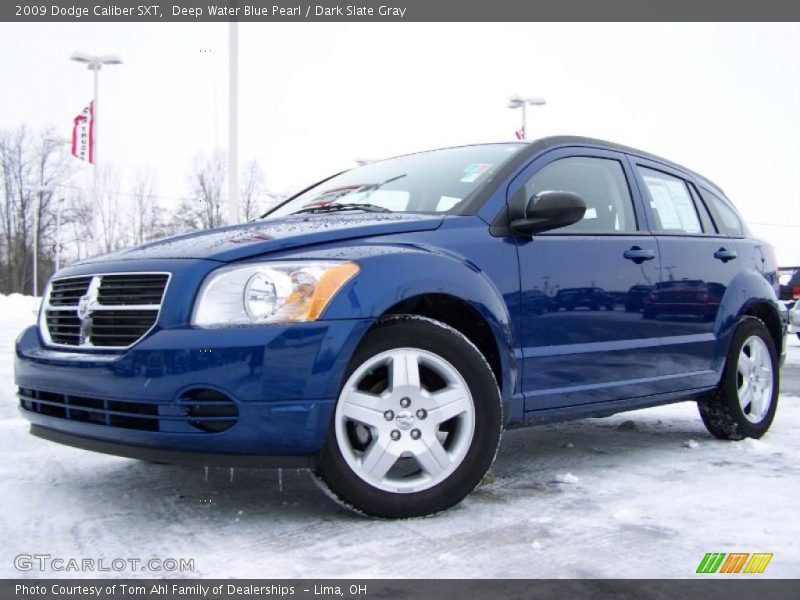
{"x": 84, "y": 306}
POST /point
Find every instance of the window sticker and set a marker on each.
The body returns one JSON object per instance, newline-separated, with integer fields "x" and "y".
{"x": 673, "y": 204}
{"x": 474, "y": 171}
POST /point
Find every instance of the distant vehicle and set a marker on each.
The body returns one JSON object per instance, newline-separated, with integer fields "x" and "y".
{"x": 535, "y": 302}
{"x": 382, "y": 327}
{"x": 789, "y": 278}
{"x": 794, "y": 318}
{"x": 634, "y": 300}
{"x": 592, "y": 298}
{"x": 690, "y": 298}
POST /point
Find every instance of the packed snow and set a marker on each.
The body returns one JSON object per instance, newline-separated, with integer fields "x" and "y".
{"x": 641, "y": 494}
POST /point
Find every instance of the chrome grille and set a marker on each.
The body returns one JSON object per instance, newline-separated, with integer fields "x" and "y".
{"x": 116, "y": 290}
{"x": 112, "y": 310}
{"x": 67, "y": 292}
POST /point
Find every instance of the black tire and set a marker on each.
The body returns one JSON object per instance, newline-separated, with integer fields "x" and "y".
{"x": 721, "y": 412}
{"x": 408, "y": 331}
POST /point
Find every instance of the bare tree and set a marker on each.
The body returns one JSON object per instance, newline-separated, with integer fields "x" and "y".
{"x": 110, "y": 212}
{"x": 147, "y": 220}
{"x": 252, "y": 194}
{"x": 206, "y": 185}
{"x": 27, "y": 161}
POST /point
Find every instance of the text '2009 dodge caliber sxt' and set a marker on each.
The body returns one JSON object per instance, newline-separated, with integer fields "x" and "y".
{"x": 385, "y": 325}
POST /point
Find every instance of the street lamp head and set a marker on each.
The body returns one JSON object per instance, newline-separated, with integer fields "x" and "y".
{"x": 80, "y": 57}
{"x": 517, "y": 101}
{"x": 95, "y": 63}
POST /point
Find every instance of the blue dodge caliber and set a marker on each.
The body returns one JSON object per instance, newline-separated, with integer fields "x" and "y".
{"x": 385, "y": 325}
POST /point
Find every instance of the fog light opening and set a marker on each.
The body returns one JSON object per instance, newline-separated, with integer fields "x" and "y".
{"x": 209, "y": 411}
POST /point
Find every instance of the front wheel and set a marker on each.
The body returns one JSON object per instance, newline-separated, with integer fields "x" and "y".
{"x": 417, "y": 423}
{"x": 744, "y": 404}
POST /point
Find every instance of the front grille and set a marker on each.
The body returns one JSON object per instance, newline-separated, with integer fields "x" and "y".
{"x": 203, "y": 411}
{"x": 67, "y": 292}
{"x": 118, "y": 290}
{"x": 64, "y": 327}
{"x": 118, "y": 309}
{"x": 120, "y": 327}
{"x": 128, "y": 415}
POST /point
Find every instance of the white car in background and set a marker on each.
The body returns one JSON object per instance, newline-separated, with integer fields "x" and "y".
{"x": 794, "y": 319}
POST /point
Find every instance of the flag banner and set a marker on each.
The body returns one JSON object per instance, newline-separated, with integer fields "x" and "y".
{"x": 519, "y": 134}
{"x": 83, "y": 134}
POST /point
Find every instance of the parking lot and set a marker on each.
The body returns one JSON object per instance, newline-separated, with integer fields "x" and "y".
{"x": 641, "y": 494}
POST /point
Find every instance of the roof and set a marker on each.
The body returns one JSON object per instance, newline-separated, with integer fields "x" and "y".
{"x": 548, "y": 143}
{"x": 534, "y": 148}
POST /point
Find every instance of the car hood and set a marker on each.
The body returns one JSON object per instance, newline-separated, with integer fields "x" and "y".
{"x": 260, "y": 237}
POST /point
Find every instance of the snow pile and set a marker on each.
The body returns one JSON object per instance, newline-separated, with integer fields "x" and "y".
{"x": 565, "y": 478}
{"x": 751, "y": 445}
{"x": 18, "y": 308}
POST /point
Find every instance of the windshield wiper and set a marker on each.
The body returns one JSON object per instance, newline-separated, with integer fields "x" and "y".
{"x": 342, "y": 207}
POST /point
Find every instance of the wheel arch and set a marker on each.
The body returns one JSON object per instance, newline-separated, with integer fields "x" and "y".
{"x": 748, "y": 295}
{"x": 443, "y": 287}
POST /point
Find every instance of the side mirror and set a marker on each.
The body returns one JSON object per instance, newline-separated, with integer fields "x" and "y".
{"x": 550, "y": 210}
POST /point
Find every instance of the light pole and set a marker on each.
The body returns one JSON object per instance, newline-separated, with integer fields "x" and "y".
{"x": 519, "y": 102}
{"x": 233, "y": 123}
{"x": 39, "y": 190}
{"x": 94, "y": 63}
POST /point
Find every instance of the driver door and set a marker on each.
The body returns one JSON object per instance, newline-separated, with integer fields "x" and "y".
{"x": 583, "y": 342}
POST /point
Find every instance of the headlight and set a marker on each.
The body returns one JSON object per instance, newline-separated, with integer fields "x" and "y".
{"x": 269, "y": 292}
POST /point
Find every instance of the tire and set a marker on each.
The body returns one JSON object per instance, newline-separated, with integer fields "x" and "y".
{"x": 446, "y": 438}
{"x": 734, "y": 410}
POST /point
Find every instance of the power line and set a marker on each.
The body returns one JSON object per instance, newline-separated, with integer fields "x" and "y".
{"x": 774, "y": 224}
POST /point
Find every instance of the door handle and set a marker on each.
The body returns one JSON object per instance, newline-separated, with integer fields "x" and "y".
{"x": 725, "y": 255}
{"x": 638, "y": 255}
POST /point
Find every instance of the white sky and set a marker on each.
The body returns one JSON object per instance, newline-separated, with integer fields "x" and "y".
{"x": 723, "y": 99}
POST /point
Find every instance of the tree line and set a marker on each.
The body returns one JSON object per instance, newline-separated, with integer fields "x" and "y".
{"x": 44, "y": 196}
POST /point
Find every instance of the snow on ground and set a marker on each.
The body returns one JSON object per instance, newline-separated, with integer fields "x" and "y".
{"x": 641, "y": 494}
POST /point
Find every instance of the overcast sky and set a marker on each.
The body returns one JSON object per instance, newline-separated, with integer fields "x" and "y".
{"x": 723, "y": 99}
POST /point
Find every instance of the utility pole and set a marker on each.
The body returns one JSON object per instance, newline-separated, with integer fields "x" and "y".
{"x": 233, "y": 123}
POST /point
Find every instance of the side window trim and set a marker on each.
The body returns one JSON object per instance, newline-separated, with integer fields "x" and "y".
{"x": 517, "y": 184}
{"x": 706, "y": 216}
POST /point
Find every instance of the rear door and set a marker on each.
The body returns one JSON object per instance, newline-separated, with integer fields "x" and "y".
{"x": 579, "y": 343}
{"x": 697, "y": 265}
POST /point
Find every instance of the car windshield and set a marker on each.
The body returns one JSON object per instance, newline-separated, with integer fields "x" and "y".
{"x": 427, "y": 182}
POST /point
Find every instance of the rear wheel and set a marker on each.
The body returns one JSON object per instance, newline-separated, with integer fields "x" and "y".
{"x": 417, "y": 422}
{"x": 744, "y": 404}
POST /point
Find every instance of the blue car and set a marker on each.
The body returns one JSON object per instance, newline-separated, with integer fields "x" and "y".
{"x": 385, "y": 325}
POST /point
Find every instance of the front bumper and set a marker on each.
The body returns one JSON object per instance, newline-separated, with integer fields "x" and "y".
{"x": 282, "y": 380}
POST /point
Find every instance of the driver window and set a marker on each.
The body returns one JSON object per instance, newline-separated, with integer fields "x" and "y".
{"x": 602, "y": 185}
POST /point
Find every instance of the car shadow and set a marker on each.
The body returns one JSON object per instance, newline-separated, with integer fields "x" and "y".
{"x": 527, "y": 457}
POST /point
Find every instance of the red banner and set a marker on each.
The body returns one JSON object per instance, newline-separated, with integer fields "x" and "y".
{"x": 83, "y": 134}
